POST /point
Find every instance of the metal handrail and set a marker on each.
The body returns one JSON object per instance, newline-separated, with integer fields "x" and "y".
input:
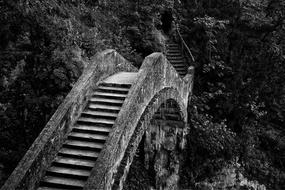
{"x": 186, "y": 50}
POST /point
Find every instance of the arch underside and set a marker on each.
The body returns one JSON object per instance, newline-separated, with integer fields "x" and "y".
{"x": 160, "y": 135}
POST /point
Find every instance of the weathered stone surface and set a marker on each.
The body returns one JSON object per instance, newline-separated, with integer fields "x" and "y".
{"x": 31, "y": 168}
{"x": 156, "y": 83}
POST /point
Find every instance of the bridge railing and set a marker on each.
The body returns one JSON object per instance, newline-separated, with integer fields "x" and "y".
{"x": 157, "y": 81}
{"x": 37, "y": 159}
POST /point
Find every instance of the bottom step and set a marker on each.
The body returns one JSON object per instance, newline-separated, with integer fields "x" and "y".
{"x": 62, "y": 183}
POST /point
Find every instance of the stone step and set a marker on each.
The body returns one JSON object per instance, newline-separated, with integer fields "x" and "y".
{"x": 180, "y": 69}
{"x": 173, "y": 50}
{"x": 180, "y": 65}
{"x": 81, "y": 154}
{"x": 62, "y": 182}
{"x": 91, "y": 129}
{"x": 49, "y": 188}
{"x": 73, "y": 162}
{"x": 95, "y": 121}
{"x": 104, "y": 108}
{"x": 122, "y": 78}
{"x": 94, "y": 145}
{"x": 177, "y": 62}
{"x": 127, "y": 86}
{"x": 100, "y": 114}
{"x": 172, "y": 45}
{"x": 109, "y": 95}
{"x": 106, "y": 101}
{"x": 87, "y": 137}
{"x": 68, "y": 172}
{"x": 83, "y": 145}
{"x": 175, "y": 58}
{"x": 111, "y": 89}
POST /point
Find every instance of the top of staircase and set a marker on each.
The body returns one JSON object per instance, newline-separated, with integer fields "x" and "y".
{"x": 122, "y": 78}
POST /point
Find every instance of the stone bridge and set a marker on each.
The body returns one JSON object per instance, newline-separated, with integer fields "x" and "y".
{"x": 91, "y": 140}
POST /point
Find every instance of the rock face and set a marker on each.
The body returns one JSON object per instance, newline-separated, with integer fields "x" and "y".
{"x": 230, "y": 178}
{"x": 162, "y": 149}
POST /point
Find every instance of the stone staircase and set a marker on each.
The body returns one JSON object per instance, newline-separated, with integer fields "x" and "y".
{"x": 77, "y": 156}
{"x": 176, "y": 58}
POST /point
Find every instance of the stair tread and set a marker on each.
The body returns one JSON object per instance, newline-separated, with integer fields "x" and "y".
{"x": 173, "y": 52}
{"x": 74, "y": 161}
{"x": 114, "y": 88}
{"x": 84, "y": 143}
{"x": 88, "y": 136}
{"x": 179, "y": 64}
{"x": 176, "y": 61}
{"x": 175, "y": 57}
{"x": 120, "y": 85}
{"x": 122, "y": 78}
{"x": 64, "y": 181}
{"x": 176, "y": 54}
{"x": 173, "y": 49}
{"x": 108, "y": 100}
{"x": 86, "y": 153}
{"x": 94, "y": 106}
{"x": 96, "y": 120}
{"x": 100, "y": 113}
{"x": 48, "y": 188}
{"x": 110, "y": 94}
{"x": 70, "y": 171}
{"x": 92, "y": 128}
{"x": 172, "y": 44}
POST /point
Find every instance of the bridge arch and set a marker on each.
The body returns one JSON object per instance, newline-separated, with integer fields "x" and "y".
{"x": 157, "y": 82}
{"x": 163, "y": 137}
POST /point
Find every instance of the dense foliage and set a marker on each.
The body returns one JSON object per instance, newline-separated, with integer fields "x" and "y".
{"x": 238, "y": 106}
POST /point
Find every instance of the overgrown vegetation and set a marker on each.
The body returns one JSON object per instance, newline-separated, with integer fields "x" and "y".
{"x": 238, "y": 107}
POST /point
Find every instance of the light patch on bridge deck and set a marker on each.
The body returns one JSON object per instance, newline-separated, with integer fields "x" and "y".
{"x": 122, "y": 78}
